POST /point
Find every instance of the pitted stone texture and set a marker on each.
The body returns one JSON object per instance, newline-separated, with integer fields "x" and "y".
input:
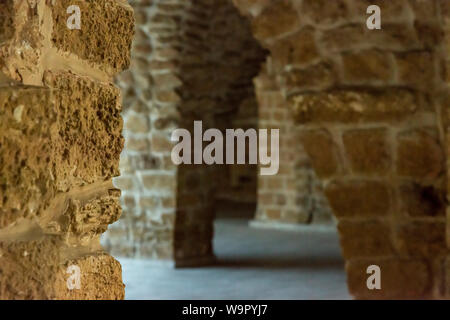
{"x": 26, "y": 184}
{"x": 20, "y": 41}
{"x": 90, "y": 123}
{"x": 38, "y": 269}
{"x": 54, "y": 143}
{"x": 7, "y": 24}
{"x": 60, "y": 141}
{"x": 106, "y": 33}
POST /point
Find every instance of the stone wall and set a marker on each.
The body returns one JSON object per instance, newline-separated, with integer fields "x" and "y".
{"x": 294, "y": 195}
{"x": 60, "y": 141}
{"x": 373, "y": 122}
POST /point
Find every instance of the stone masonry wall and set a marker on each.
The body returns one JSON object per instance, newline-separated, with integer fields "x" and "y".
{"x": 60, "y": 141}
{"x": 294, "y": 195}
{"x": 373, "y": 115}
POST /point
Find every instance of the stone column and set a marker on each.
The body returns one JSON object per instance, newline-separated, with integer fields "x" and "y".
{"x": 188, "y": 65}
{"x": 60, "y": 141}
{"x": 367, "y": 103}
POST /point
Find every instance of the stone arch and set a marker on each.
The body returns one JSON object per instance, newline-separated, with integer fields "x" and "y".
{"x": 192, "y": 60}
{"x": 369, "y": 105}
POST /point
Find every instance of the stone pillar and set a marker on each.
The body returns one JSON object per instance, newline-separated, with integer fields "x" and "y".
{"x": 60, "y": 141}
{"x": 191, "y": 61}
{"x": 367, "y": 103}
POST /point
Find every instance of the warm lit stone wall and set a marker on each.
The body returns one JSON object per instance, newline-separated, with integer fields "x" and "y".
{"x": 371, "y": 105}
{"x": 60, "y": 141}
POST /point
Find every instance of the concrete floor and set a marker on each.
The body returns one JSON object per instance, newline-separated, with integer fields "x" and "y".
{"x": 252, "y": 264}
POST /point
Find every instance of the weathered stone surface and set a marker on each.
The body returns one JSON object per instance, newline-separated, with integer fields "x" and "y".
{"x": 400, "y": 279}
{"x": 365, "y": 239}
{"x": 368, "y": 150}
{"x": 37, "y": 269}
{"x": 7, "y": 24}
{"x": 325, "y": 12}
{"x": 422, "y": 239}
{"x": 422, "y": 201}
{"x": 298, "y": 49}
{"x": 419, "y": 155}
{"x": 359, "y": 198}
{"x": 60, "y": 142}
{"x": 352, "y": 106}
{"x": 281, "y": 11}
{"x": 321, "y": 149}
{"x": 367, "y": 67}
{"x": 105, "y": 35}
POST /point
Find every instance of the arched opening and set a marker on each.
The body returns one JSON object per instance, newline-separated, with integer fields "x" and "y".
{"x": 200, "y": 62}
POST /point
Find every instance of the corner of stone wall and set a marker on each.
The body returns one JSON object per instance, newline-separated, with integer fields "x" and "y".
{"x": 60, "y": 137}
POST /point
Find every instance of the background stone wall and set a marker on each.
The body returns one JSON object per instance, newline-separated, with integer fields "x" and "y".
{"x": 60, "y": 141}
{"x": 369, "y": 103}
{"x": 294, "y": 195}
{"x": 194, "y": 61}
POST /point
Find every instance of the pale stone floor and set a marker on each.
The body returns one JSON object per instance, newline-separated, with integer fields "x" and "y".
{"x": 252, "y": 264}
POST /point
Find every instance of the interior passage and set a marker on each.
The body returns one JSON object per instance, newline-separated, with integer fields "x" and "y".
{"x": 252, "y": 263}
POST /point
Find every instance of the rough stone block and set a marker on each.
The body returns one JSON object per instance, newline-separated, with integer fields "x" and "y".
{"x": 37, "y": 269}
{"x": 368, "y": 150}
{"x": 362, "y": 239}
{"x": 367, "y": 67}
{"x": 107, "y": 29}
{"x": 278, "y": 18}
{"x": 353, "y": 106}
{"x": 320, "y": 147}
{"x": 422, "y": 238}
{"x": 323, "y": 12}
{"x": 89, "y": 129}
{"x": 298, "y": 49}
{"x": 359, "y": 198}
{"x": 417, "y": 69}
{"x": 319, "y": 76}
{"x": 422, "y": 201}
{"x": 400, "y": 279}
{"x": 343, "y": 38}
{"x": 419, "y": 154}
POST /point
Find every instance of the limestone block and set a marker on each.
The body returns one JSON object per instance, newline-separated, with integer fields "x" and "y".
{"x": 320, "y": 147}
{"x": 368, "y": 150}
{"x": 400, "y": 279}
{"x": 278, "y": 18}
{"x": 422, "y": 238}
{"x": 359, "y": 198}
{"x": 361, "y": 239}
{"x": 105, "y": 36}
{"x": 420, "y": 154}
{"x": 349, "y": 106}
{"x": 38, "y": 269}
